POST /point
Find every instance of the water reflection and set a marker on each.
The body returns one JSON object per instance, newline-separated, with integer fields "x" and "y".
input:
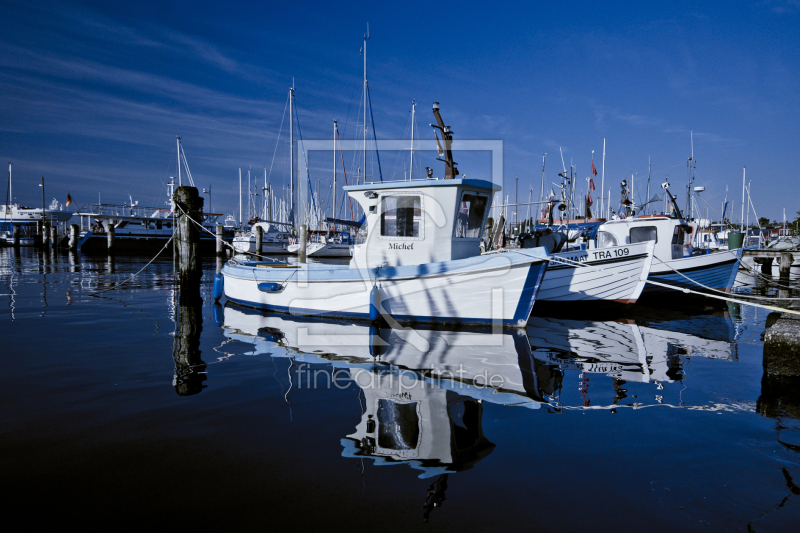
{"x": 520, "y": 368}
{"x": 190, "y": 370}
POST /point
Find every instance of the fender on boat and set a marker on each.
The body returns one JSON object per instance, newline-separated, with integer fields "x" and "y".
{"x": 219, "y": 284}
{"x": 269, "y": 287}
{"x": 374, "y": 303}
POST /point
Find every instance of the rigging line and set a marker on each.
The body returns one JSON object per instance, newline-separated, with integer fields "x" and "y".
{"x": 133, "y": 276}
{"x": 349, "y": 200}
{"x": 673, "y": 166}
{"x": 277, "y": 141}
{"x": 305, "y": 160}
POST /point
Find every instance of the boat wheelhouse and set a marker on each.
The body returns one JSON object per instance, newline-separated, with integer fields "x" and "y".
{"x": 675, "y": 261}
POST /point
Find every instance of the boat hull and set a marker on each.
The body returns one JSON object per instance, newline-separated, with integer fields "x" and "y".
{"x": 614, "y": 274}
{"x": 497, "y": 289}
{"x": 247, "y": 245}
{"x": 716, "y": 270}
{"x": 318, "y": 249}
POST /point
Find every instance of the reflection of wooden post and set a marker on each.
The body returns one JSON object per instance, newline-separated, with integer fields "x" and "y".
{"x": 220, "y": 242}
{"x": 16, "y": 236}
{"x": 259, "y": 237}
{"x": 110, "y": 236}
{"x": 189, "y": 368}
{"x": 73, "y": 236}
{"x": 303, "y": 242}
{"x": 54, "y": 237}
{"x": 189, "y": 207}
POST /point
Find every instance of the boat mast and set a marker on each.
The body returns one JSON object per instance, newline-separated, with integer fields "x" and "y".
{"x": 291, "y": 154}
{"x": 333, "y": 204}
{"x": 603, "y": 184}
{"x": 178, "y": 142}
{"x": 541, "y": 192}
{"x": 413, "y": 110}
{"x": 240, "y": 197}
{"x": 366, "y": 36}
{"x": 744, "y": 169}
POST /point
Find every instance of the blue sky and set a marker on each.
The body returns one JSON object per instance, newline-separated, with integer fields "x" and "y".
{"x": 93, "y": 94}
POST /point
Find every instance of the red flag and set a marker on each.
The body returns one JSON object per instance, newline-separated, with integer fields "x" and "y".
{"x": 594, "y": 170}
{"x": 589, "y": 198}
{"x": 591, "y": 182}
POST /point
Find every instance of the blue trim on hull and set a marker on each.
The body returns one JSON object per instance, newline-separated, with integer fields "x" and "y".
{"x": 365, "y": 316}
{"x": 529, "y": 291}
{"x": 716, "y": 277}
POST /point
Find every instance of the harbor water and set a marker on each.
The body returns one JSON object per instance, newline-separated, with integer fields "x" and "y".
{"x": 128, "y": 408}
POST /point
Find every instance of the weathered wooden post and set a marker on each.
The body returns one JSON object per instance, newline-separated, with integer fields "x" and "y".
{"x": 220, "y": 242}
{"x": 766, "y": 266}
{"x": 73, "y": 237}
{"x": 45, "y": 234}
{"x": 110, "y": 236}
{"x": 303, "y": 242}
{"x": 786, "y": 265}
{"x": 189, "y": 208}
{"x": 16, "y": 236}
{"x": 54, "y": 237}
{"x": 259, "y": 237}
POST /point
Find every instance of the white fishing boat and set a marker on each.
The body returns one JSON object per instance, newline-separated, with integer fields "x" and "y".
{"x": 675, "y": 262}
{"x": 416, "y": 259}
{"x": 615, "y": 274}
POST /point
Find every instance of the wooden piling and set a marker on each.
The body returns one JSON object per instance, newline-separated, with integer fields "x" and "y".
{"x": 45, "y": 234}
{"x": 54, "y": 237}
{"x": 74, "y": 233}
{"x": 786, "y": 265}
{"x": 303, "y": 243}
{"x": 110, "y": 236}
{"x": 220, "y": 242}
{"x": 15, "y": 232}
{"x": 189, "y": 208}
{"x": 259, "y": 238}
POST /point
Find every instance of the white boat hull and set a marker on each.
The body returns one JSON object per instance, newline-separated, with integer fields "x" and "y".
{"x": 247, "y": 245}
{"x": 319, "y": 249}
{"x": 496, "y": 289}
{"x": 614, "y": 274}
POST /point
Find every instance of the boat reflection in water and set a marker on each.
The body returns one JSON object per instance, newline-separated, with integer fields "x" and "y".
{"x": 423, "y": 390}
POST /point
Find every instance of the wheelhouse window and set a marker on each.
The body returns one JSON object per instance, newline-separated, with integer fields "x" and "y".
{"x": 470, "y": 215}
{"x": 401, "y": 216}
{"x": 643, "y": 234}
{"x": 682, "y": 234}
{"x": 606, "y": 239}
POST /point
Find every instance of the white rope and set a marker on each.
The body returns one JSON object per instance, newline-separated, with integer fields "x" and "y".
{"x": 687, "y": 291}
{"x": 716, "y": 290}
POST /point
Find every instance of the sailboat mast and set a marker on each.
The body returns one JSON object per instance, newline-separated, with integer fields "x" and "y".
{"x": 413, "y": 110}
{"x": 240, "y": 197}
{"x": 178, "y": 142}
{"x": 333, "y": 205}
{"x": 366, "y": 36}
{"x": 291, "y": 154}
{"x": 744, "y": 171}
